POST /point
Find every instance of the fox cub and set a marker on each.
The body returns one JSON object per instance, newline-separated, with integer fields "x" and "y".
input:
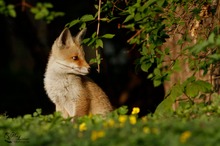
{"x": 73, "y": 93}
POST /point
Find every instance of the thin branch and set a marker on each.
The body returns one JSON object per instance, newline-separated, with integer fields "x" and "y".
{"x": 24, "y": 4}
{"x": 190, "y": 99}
{"x": 97, "y": 33}
{"x": 114, "y": 6}
{"x": 136, "y": 34}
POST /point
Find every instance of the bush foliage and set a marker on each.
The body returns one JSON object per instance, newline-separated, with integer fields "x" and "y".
{"x": 150, "y": 23}
{"x": 186, "y": 127}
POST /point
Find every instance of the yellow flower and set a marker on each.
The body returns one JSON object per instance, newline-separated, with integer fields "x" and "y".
{"x": 132, "y": 119}
{"x": 135, "y": 110}
{"x": 185, "y": 136}
{"x": 97, "y": 134}
{"x": 146, "y": 130}
{"x": 122, "y": 118}
{"x": 82, "y": 127}
{"x": 111, "y": 123}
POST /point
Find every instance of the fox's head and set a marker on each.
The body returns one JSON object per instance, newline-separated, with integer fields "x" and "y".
{"x": 68, "y": 53}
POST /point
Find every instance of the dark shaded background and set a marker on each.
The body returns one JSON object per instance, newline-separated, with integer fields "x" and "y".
{"x": 25, "y": 46}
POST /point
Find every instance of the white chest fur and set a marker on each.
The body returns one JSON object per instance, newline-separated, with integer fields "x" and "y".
{"x": 61, "y": 88}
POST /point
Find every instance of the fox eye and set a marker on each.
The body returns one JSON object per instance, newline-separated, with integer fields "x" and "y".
{"x": 75, "y": 57}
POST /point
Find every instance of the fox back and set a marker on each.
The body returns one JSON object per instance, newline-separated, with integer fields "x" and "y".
{"x": 73, "y": 93}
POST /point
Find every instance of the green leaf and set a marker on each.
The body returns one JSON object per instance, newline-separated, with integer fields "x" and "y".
{"x": 38, "y": 16}
{"x": 92, "y": 61}
{"x": 144, "y": 50}
{"x": 39, "y": 4}
{"x": 189, "y": 80}
{"x": 39, "y": 111}
{"x": 87, "y": 17}
{"x": 145, "y": 66}
{"x": 122, "y": 110}
{"x": 204, "y": 86}
{"x": 34, "y": 10}
{"x": 94, "y": 35}
{"x": 10, "y": 6}
{"x": 160, "y": 2}
{"x": 192, "y": 90}
{"x": 27, "y": 116}
{"x": 105, "y": 19}
{"x": 218, "y": 40}
{"x": 44, "y": 11}
{"x": 98, "y": 59}
{"x": 113, "y": 19}
{"x": 85, "y": 41}
{"x": 91, "y": 41}
{"x": 2, "y": 3}
{"x": 137, "y": 17}
{"x": 128, "y": 18}
{"x": 131, "y": 10}
{"x": 216, "y": 99}
{"x": 96, "y": 7}
{"x": 157, "y": 83}
{"x": 215, "y": 57}
{"x": 165, "y": 107}
{"x": 130, "y": 26}
{"x": 74, "y": 22}
{"x": 211, "y": 38}
{"x": 149, "y": 2}
{"x": 199, "y": 47}
{"x": 48, "y": 5}
{"x": 83, "y": 25}
{"x": 11, "y": 11}
{"x": 176, "y": 66}
{"x": 99, "y": 43}
{"x": 157, "y": 72}
{"x": 176, "y": 91}
{"x": 150, "y": 76}
{"x": 108, "y": 36}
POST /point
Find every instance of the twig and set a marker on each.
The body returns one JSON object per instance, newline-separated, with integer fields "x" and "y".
{"x": 136, "y": 34}
{"x": 97, "y": 33}
{"x": 24, "y": 4}
{"x": 114, "y": 6}
{"x": 190, "y": 99}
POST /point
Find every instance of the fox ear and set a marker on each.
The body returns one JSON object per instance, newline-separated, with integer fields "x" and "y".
{"x": 79, "y": 37}
{"x": 65, "y": 38}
